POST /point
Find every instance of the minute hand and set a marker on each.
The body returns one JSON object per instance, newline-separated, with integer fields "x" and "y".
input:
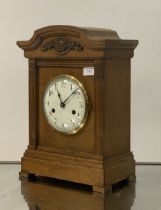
{"x": 70, "y": 96}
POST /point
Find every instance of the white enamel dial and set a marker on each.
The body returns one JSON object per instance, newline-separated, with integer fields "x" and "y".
{"x": 65, "y": 104}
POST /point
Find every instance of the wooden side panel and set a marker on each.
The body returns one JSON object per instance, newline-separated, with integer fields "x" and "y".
{"x": 117, "y": 107}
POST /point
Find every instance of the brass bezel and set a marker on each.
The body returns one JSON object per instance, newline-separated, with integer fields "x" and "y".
{"x": 87, "y": 104}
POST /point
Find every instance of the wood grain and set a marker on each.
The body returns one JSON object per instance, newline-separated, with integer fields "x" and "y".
{"x": 99, "y": 154}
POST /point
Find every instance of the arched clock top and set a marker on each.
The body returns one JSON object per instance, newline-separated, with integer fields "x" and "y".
{"x": 72, "y": 41}
{"x": 69, "y": 31}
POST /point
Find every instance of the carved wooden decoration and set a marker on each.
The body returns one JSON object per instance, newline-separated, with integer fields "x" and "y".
{"x": 62, "y": 45}
{"x": 99, "y": 72}
{"x": 98, "y": 154}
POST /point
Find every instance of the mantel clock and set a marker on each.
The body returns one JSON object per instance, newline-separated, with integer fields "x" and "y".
{"x": 79, "y": 106}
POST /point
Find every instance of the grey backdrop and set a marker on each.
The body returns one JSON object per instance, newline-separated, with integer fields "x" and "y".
{"x": 139, "y": 19}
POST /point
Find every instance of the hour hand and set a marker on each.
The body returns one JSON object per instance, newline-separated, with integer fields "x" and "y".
{"x": 58, "y": 94}
{"x": 62, "y": 104}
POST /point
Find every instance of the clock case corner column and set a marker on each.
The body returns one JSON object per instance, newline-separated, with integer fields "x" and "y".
{"x": 99, "y": 66}
{"x": 33, "y": 106}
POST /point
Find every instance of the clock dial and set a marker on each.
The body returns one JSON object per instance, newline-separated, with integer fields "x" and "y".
{"x": 65, "y": 104}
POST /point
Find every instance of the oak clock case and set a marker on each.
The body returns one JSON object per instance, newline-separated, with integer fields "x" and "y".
{"x": 79, "y": 120}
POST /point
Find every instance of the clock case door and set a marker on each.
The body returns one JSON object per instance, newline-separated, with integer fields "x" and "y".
{"x": 99, "y": 154}
{"x": 49, "y": 138}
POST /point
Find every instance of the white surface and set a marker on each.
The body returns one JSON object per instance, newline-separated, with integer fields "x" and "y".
{"x": 88, "y": 71}
{"x": 10, "y": 188}
{"x": 139, "y": 19}
{"x": 74, "y": 100}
